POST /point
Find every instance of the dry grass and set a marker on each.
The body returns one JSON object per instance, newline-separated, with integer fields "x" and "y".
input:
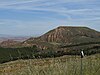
{"x": 66, "y": 65}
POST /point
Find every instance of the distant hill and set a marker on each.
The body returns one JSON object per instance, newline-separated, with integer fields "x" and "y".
{"x": 4, "y": 37}
{"x": 65, "y": 34}
{"x": 67, "y": 40}
{"x": 62, "y": 35}
{"x": 10, "y": 40}
{"x": 9, "y": 43}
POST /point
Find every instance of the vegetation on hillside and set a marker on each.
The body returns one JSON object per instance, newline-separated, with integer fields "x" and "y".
{"x": 11, "y": 54}
{"x": 58, "y": 42}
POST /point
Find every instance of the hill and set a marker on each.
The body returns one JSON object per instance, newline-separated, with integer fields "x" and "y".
{"x": 60, "y": 41}
{"x": 8, "y": 43}
{"x": 67, "y": 36}
{"x": 64, "y": 35}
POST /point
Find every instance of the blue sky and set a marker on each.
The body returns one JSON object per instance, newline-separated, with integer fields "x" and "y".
{"x": 35, "y": 17}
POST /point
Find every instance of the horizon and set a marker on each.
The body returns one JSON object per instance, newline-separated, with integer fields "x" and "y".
{"x": 7, "y": 35}
{"x": 36, "y": 17}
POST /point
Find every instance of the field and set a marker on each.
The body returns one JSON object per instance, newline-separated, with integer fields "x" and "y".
{"x": 65, "y": 65}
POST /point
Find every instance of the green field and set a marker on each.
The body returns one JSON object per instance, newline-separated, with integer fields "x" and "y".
{"x": 65, "y": 65}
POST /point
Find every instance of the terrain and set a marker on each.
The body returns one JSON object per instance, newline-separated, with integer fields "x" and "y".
{"x": 56, "y": 52}
{"x": 63, "y": 40}
{"x": 68, "y": 36}
{"x": 68, "y": 40}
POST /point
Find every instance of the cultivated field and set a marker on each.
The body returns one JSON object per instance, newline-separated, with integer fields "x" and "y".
{"x": 65, "y": 65}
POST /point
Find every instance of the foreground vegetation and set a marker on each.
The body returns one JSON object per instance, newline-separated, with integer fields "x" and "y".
{"x": 65, "y": 65}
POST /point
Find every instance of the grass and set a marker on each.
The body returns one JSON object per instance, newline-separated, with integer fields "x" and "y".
{"x": 65, "y": 65}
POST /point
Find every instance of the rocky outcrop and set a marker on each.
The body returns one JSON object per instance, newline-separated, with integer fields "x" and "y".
{"x": 65, "y": 34}
{"x": 60, "y": 36}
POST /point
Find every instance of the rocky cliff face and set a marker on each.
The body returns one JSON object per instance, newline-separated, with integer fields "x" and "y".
{"x": 64, "y": 34}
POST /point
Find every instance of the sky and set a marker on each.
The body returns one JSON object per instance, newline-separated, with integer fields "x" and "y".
{"x": 36, "y": 17}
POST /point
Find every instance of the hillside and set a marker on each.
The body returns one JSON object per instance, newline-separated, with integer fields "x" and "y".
{"x": 11, "y": 41}
{"x": 65, "y": 34}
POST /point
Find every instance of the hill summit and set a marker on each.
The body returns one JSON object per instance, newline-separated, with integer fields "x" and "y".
{"x": 68, "y": 34}
{"x": 62, "y": 35}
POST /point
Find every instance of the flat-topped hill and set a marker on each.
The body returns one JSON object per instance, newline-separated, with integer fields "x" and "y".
{"x": 68, "y": 34}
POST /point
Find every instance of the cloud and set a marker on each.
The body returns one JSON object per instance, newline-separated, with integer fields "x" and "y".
{"x": 56, "y": 6}
{"x": 50, "y": 12}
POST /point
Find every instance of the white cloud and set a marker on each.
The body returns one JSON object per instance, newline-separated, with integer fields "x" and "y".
{"x": 82, "y": 16}
{"x": 50, "y": 6}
